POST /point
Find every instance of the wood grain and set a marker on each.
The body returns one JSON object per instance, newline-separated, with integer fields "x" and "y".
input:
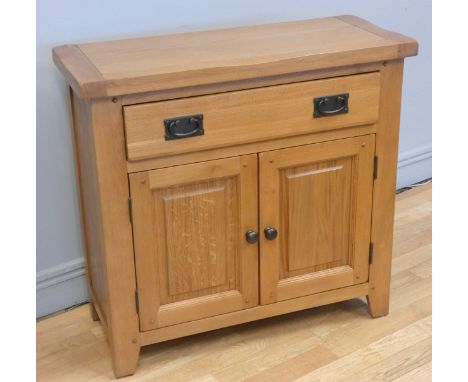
{"x": 80, "y": 73}
{"x": 250, "y": 116}
{"x": 104, "y": 194}
{"x": 251, "y": 83}
{"x": 408, "y": 44}
{"x": 189, "y": 59}
{"x": 193, "y": 200}
{"x": 319, "y": 198}
{"x": 384, "y": 186}
{"x": 248, "y": 148}
{"x": 90, "y": 209}
{"x": 338, "y": 340}
{"x": 191, "y": 256}
{"x": 304, "y": 249}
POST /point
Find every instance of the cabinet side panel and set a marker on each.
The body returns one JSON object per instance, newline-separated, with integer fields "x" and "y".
{"x": 89, "y": 202}
{"x": 109, "y": 149}
{"x": 384, "y": 188}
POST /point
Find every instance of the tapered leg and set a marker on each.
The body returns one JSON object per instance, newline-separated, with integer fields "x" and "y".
{"x": 384, "y": 188}
{"x": 94, "y": 314}
{"x": 125, "y": 359}
{"x": 377, "y": 305}
{"x": 120, "y": 309}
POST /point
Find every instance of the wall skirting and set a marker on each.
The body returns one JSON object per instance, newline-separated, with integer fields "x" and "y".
{"x": 65, "y": 285}
{"x": 414, "y": 165}
{"x": 60, "y": 287}
{"x": 60, "y": 274}
{"x": 418, "y": 154}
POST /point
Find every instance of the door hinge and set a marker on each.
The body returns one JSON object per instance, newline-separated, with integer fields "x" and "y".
{"x": 137, "y": 302}
{"x": 371, "y": 252}
{"x": 376, "y": 167}
{"x": 130, "y": 210}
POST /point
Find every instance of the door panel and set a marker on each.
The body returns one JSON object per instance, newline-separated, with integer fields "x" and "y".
{"x": 319, "y": 198}
{"x": 316, "y": 250}
{"x": 190, "y": 251}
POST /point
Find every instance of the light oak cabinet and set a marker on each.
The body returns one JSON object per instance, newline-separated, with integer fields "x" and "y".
{"x": 234, "y": 175}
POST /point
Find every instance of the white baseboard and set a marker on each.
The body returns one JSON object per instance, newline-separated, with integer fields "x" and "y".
{"x": 65, "y": 284}
{"x": 418, "y": 154}
{"x": 60, "y": 287}
{"x": 60, "y": 273}
{"x": 414, "y": 165}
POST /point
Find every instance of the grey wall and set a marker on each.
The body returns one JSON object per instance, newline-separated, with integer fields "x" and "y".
{"x": 60, "y": 264}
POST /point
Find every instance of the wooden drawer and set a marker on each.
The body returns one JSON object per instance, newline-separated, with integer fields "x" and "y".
{"x": 250, "y": 115}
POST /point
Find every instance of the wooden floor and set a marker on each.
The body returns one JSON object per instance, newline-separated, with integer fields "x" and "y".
{"x": 339, "y": 342}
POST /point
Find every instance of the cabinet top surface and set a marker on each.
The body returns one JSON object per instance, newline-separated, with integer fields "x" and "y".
{"x": 155, "y": 63}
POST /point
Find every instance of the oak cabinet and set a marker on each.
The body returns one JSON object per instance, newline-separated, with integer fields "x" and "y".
{"x": 234, "y": 175}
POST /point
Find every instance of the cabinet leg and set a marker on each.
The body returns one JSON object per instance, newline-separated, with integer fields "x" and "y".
{"x": 383, "y": 207}
{"x": 378, "y": 303}
{"x": 92, "y": 309}
{"x": 125, "y": 360}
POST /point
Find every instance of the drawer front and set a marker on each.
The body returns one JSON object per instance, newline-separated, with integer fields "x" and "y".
{"x": 239, "y": 117}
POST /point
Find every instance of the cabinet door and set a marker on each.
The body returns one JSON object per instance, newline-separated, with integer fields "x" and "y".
{"x": 191, "y": 255}
{"x": 319, "y": 199}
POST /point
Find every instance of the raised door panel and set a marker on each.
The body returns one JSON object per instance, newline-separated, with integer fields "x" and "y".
{"x": 319, "y": 198}
{"x": 190, "y": 250}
